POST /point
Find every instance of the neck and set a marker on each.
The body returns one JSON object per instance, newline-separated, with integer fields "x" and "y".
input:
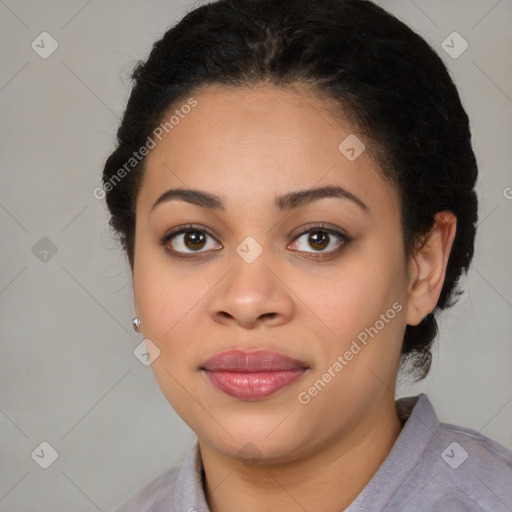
{"x": 328, "y": 479}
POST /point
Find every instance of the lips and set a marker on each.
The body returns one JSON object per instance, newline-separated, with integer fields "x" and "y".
{"x": 252, "y": 375}
{"x": 262, "y": 360}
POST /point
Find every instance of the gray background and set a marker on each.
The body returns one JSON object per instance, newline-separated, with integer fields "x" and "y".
{"x": 68, "y": 373}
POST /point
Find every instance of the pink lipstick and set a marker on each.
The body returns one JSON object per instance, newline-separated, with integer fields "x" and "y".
{"x": 252, "y": 375}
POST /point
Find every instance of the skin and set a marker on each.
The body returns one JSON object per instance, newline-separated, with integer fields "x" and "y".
{"x": 248, "y": 146}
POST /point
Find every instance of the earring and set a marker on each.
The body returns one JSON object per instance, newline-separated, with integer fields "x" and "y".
{"x": 426, "y": 316}
{"x": 136, "y": 324}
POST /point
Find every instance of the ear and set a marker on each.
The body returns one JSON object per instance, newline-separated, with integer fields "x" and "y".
{"x": 427, "y": 268}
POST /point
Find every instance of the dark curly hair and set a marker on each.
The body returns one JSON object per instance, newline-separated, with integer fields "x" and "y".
{"x": 384, "y": 77}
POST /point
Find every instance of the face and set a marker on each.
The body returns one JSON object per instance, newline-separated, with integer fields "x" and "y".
{"x": 321, "y": 279}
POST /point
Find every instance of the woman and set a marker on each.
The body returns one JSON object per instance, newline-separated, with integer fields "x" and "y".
{"x": 294, "y": 186}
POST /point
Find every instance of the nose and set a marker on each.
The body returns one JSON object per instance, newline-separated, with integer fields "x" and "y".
{"x": 252, "y": 294}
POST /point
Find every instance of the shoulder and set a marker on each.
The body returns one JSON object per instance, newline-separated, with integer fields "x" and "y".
{"x": 441, "y": 466}
{"x": 474, "y": 451}
{"x": 156, "y": 495}
{"x": 468, "y": 470}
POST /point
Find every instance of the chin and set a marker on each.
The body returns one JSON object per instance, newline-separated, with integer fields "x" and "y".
{"x": 254, "y": 444}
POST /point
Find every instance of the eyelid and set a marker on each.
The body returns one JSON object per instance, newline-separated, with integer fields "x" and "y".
{"x": 322, "y": 226}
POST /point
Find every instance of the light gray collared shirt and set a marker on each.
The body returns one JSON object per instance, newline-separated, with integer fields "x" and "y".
{"x": 432, "y": 467}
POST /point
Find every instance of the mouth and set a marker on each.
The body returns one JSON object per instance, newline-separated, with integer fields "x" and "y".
{"x": 252, "y": 376}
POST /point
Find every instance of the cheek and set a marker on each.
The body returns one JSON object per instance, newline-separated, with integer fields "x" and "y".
{"x": 363, "y": 301}
{"x": 166, "y": 301}
{"x": 349, "y": 300}
{"x": 164, "y": 295}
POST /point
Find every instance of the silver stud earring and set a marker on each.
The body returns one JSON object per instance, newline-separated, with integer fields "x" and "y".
{"x": 136, "y": 324}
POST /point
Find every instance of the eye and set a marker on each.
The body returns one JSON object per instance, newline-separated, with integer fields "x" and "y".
{"x": 187, "y": 240}
{"x": 321, "y": 239}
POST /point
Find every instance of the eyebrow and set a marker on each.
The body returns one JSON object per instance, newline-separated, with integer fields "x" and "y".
{"x": 284, "y": 202}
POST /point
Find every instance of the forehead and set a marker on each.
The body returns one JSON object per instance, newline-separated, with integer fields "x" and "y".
{"x": 260, "y": 142}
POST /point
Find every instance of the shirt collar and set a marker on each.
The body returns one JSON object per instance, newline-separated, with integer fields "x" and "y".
{"x": 421, "y": 424}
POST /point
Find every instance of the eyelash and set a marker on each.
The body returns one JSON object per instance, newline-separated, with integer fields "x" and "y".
{"x": 191, "y": 228}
